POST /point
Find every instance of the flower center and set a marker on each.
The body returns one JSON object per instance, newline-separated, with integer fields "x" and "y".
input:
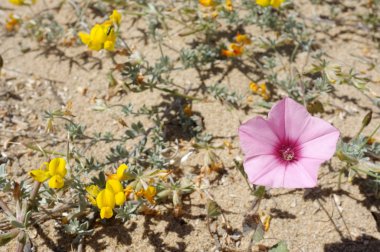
{"x": 287, "y": 153}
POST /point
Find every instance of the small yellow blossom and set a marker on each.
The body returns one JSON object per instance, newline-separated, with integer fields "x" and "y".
{"x": 128, "y": 191}
{"x": 187, "y": 110}
{"x": 115, "y": 17}
{"x": 93, "y": 191}
{"x": 243, "y": 39}
{"x": 17, "y": 2}
{"x": 260, "y": 89}
{"x": 116, "y": 187}
{"x": 228, "y": 5}
{"x": 371, "y": 140}
{"x": 22, "y": 2}
{"x": 120, "y": 173}
{"x": 106, "y": 202}
{"x": 12, "y": 23}
{"x": 207, "y": 3}
{"x": 273, "y": 3}
{"x": 55, "y": 173}
{"x": 149, "y": 194}
{"x": 102, "y": 36}
{"x": 233, "y": 50}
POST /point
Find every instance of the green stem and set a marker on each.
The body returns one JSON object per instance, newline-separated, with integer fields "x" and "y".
{"x": 35, "y": 148}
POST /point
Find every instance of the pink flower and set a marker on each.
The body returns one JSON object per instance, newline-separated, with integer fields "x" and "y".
{"x": 287, "y": 149}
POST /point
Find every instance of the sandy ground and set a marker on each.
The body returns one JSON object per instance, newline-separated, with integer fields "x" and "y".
{"x": 319, "y": 219}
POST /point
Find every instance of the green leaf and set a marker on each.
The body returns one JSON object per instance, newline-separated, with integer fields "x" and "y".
{"x": 17, "y": 224}
{"x": 7, "y": 237}
{"x": 258, "y": 235}
{"x": 279, "y": 247}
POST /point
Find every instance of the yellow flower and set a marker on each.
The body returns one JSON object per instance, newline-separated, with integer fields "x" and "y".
{"x": 187, "y": 110}
{"x": 12, "y": 23}
{"x": 260, "y": 90}
{"x": 116, "y": 187}
{"x": 17, "y": 2}
{"x": 228, "y": 5}
{"x": 273, "y": 3}
{"x": 115, "y": 17}
{"x": 93, "y": 191}
{"x": 102, "y": 36}
{"x": 21, "y": 2}
{"x": 207, "y": 3}
{"x": 233, "y": 50}
{"x": 106, "y": 202}
{"x": 242, "y": 39}
{"x": 120, "y": 173}
{"x": 56, "y": 172}
{"x": 149, "y": 194}
{"x": 128, "y": 191}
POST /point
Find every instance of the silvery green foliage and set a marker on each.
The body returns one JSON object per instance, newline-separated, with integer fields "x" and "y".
{"x": 127, "y": 211}
{"x": 354, "y": 149}
{"x": 78, "y": 228}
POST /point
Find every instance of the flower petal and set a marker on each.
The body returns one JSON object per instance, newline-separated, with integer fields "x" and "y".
{"x": 39, "y": 175}
{"x": 263, "y": 3}
{"x": 84, "y": 37}
{"x": 57, "y": 166}
{"x": 114, "y": 185}
{"x": 322, "y": 146}
{"x": 265, "y": 170}
{"x": 120, "y": 172}
{"x": 109, "y": 45}
{"x": 106, "y": 212}
{"x": 120, "y": 198}
{"x": 106, "y": 198}
{"x": 298, "y": 176}
{"x": 56, "y": 182}
{"x": 288, "y": 118}
{"x": 115, "y": 17}
{"x": 257, "y": 137}
{"x": 93, "y": 190}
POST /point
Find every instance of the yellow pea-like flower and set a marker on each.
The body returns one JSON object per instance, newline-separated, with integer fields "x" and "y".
{"x": 276, "y": 3}
{"x": 233, "y": 50}
{"x": 21, "y": 2}
{"x": 228, "y": 5}
{"x": 56, "y": 172}
{"x": 118, "y": 190}
{"x": 106, "y": 213}
{"x": 106, "y": 202}
{"x": 207, "y": 3}
{"x": 120, "y": 173}
{"x": 17, "y": 2}
{"x": 149, "y": 194}
{"x": 243, "y": 39}
{"x": 102, "y": 36}
{"x": 120, "y": 198}
{"x": 56, "y": 182}
{"x": 115, "y": 17}
{"x": 39, "y": 175}
{"x": 273, "y": 3}
{"x": 57, "y": 166}
{"x": 93, "y": 191}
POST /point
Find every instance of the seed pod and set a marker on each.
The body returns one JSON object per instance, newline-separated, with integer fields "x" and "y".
{"x": 367, "y": 119}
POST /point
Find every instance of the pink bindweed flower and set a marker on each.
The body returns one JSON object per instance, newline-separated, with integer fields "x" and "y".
{"x": 287, "y": 149}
